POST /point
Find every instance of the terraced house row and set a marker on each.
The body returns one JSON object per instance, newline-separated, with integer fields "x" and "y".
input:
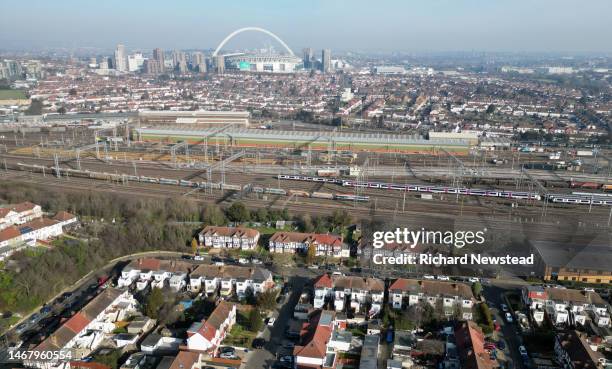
{"x": 226, "y": 280}
{"x": 354, "y": 292}
{"x": 281, "y": 242}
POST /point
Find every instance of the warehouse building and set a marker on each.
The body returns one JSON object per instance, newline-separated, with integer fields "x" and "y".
{"x": 242, "y": 137}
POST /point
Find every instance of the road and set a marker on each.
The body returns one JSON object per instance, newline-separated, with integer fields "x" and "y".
{"x": 275, "y": 336}
{"x": 509, "y": 332}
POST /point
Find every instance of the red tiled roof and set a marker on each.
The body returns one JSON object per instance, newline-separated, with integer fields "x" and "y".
{"x": 9, "y": 233}
{"x": 24, "y": 206}
{"x": 63, "y": 216}
{"x": 323, "y": 281}
{"x": 88, "y": 365}
{"x": 185, "y": 360}
{"x": 77, "y": 323}
{"x": 215, "y": 320}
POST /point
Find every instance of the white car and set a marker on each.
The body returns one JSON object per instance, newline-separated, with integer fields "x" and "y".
{"x": 427, "y": 276}
{"x": 474, "y": 279}
{"x": 522, "y": 350}
{"x": 243, "y": 261}
{"x": 256, "y": 261}
{"x": 271, "y": 321}
{"x": 198, "y": 258}
{"x": 504, "y": 308}
{"x": 219, "y": 263}
{"x": 508, "y": 317}
{"x": 443, "y": 278}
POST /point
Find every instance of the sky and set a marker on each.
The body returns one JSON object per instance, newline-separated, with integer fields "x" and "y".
{"x": 359, "y": 25}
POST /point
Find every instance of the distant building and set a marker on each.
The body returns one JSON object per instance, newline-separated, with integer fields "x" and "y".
{"x": 135, "y": 62}
{"x": 121, "y": 63}
{"x": 390, "y": 70}
{"x": 198, "y": 62}
{"x": 326, "y": 60}
{"x": 152, "y": 67}
{"x": 199, "y": 117}
{"x": 220, "y": 64}
{"x": 158, "y": 55}
{"x": 307, "y": 58}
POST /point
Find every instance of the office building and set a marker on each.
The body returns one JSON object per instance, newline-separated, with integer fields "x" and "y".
{"x": 158, "y": 55}
{"x": 151, "y": 66}
{"x": 198, "y": 62}
{"x": 121, "y": 59}
{"x": 326, "y": 60}
{"x": 135, "y": 62}
{"x": 178, "y": 57}
{"x": 220, "y": 64}
{"x": 307, "y": 58}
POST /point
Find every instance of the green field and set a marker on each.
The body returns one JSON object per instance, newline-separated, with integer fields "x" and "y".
{"x": 12, "y": 94}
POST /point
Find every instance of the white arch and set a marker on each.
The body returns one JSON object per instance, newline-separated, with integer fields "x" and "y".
{"x": 256, "y": 29}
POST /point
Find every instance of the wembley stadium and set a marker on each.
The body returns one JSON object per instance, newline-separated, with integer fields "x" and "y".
{"x": 259, "y": 63}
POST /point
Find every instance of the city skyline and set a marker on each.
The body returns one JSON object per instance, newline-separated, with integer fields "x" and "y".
{"x": 547, "y": 26}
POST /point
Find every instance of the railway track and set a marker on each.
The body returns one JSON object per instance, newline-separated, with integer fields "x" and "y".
{"x": 531, "y": 228}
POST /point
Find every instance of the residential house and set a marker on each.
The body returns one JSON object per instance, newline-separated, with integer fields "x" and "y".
{"x": 316, "y": 335}
{"x": 566, "y": 305}
{"x": 229, "y": 279}
{"x": 40, "y": 229}
{"x": 295, "y": 242}
{"x": 150, "y": 271}
{"x": 359, "y": 292}
{"x": 574, "y": 351}
{"x": 85, "y": 331}
{"x": 207, "y": 336}
{"x": 229, "y": 237}
{"x": 26, "y": 211}
{"x": 65, "y": 219}
{"x": 186, "y": 360}
{"x": 535, "y": 298}
{"x": 323, "y": 290}
{"x": 452, "y": 296}
{"x": 156, "y": 344}
{"x": 8, "y": 217}
{"x": 470, "y": 342}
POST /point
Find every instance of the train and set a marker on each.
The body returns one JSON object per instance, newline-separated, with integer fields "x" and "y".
{"x": 581, "y": 199}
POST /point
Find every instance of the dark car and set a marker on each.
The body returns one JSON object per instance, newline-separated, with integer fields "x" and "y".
{"x": 259, "y": 343}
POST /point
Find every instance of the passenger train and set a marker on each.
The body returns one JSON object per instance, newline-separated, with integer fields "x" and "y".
{"x": 583, "y": 199}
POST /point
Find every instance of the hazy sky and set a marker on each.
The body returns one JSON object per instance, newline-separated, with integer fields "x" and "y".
{"x": 370, "y": 25}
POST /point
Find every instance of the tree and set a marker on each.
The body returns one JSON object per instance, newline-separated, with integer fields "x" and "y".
{"x": 266, "y": 300}
{"x": 62, "y": 110}
{"x": 212, "y": 215}
{"x": 194, "y": 245}
{"x": 238, "y": 212}
{"x": 72, "y": 92}
{"x": 491, "y": 109}
{"x": 155, "y": 300}
{"x": 477, "y": 289}
{"x": 255, "y": 320}
{"x": 340, "y": 218}
{"x": 35, "y": 108}
{"x": 311, "y": 253}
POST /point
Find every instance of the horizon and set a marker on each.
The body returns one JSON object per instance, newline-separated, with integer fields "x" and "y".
{"x": 444, "y": 26}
